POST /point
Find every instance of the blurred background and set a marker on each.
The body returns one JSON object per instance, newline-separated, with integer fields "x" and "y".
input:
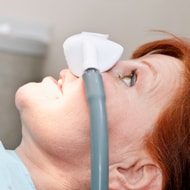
{"x": 32, "y": 33}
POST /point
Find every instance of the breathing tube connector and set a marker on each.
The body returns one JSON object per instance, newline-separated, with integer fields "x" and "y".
{"x": 87, "y": 55}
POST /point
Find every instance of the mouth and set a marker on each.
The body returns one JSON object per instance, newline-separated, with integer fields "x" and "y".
{"x": 66, "y": 77}
{"x": 60, "y": 84}
{"x": 52, "y": 85}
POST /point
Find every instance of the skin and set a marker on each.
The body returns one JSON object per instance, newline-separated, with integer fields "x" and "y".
{"x": 56, "y": 135}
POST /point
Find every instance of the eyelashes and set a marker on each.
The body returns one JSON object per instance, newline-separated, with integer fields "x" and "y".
{"x": 129, "y": 80}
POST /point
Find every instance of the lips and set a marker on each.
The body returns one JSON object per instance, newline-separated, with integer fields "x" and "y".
{"x": 52, "y": 86}
{"x": 65, "y": 77}
{"x": 50, "y": 79}
{"x": 60, "y": 84}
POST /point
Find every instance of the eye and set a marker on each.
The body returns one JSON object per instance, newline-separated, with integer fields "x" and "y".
{"x": 129, "y": 80}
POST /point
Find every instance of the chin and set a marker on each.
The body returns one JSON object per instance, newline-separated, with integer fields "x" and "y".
{"x": 25, "y": 94}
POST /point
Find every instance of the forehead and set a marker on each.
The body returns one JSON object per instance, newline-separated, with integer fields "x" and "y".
{"x": 168, "y": 76}
{"x": 163, "y": 62}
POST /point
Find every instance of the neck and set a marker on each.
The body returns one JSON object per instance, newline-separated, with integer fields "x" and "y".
{"x": 48, "y": 172}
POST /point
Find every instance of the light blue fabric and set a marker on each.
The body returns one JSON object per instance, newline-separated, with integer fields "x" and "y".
{"x": 13, "y": 173}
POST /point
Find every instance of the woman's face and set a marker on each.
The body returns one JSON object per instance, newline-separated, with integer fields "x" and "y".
{"x": 55, "y": 113}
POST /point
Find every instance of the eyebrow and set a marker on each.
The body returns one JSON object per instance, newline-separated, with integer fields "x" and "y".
{"x": 149, "y": 65}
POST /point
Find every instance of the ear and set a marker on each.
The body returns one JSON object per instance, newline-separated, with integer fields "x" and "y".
{"x": 141, "y": 175}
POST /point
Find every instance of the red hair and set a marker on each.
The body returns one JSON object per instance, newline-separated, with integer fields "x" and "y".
{"x": 169, "y": 143}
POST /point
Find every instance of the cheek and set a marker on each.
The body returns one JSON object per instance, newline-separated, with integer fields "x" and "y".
{"x": 74, "y": 101}
{"x": 117, "y": 104}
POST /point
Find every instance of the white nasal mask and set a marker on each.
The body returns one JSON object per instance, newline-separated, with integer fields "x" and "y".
{"x": 90, "y": 50}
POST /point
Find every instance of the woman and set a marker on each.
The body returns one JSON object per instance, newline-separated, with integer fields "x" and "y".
{"x": 147, "y": 99}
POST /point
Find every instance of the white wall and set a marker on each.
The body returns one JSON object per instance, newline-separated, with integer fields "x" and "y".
{"x": 127, "y": 21}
